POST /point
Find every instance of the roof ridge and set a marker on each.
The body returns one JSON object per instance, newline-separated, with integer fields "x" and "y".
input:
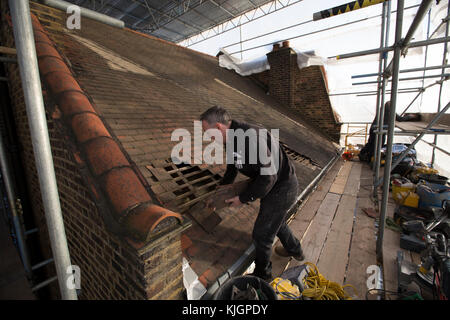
{"x": 170, "y": 43}
{"x": 132, "y": 206}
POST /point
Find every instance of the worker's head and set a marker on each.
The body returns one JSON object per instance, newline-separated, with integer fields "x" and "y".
{"x": 216, "y": 118}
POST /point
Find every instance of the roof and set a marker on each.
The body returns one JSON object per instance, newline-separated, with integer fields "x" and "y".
{"x": 172, "y": 20}
{"x": 122, "y": 93}
{"x": 131, "y": 202}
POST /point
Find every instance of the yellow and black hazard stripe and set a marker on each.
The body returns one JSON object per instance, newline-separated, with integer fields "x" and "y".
{"x": 351, "y": 6}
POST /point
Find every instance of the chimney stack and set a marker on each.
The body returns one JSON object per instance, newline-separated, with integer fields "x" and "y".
{"x": 281, "y": 61}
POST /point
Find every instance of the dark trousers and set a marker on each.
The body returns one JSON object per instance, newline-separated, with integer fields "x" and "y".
{"x": 369, "y": 149}
{"x": 271, "y": 222}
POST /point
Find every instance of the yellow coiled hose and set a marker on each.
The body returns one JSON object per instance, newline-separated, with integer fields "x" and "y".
{"x": 319, "y": 288}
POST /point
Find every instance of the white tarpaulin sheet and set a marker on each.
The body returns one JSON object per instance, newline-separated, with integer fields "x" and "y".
{"x": 260, "y": 64}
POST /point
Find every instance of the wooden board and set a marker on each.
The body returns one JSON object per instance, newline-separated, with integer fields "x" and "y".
{"x": 303, "y": 218}
{"x": 314, "y": 237}
{"x": 353, "y": 181}
{"x": 418, "y": 125}
{"x": 7, "y": 50}
{"x": 362, "y": 252}
{"x": 307, "y": 212}
{"x": 339, "y": 183}
{"x": 334, "y": 257}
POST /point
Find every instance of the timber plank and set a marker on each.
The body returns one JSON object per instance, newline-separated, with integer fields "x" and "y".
{"x": 7, "y": 50}
{"x": 314, "y": 237}
{"x": 334, "y": 257}
{"x": 362, "y": 251}
{"x": 362, "y": 254}
{"x": 339, "y": 183}
{"x": 353, "y": 182}
{"x": 307, "y": 212}
{"x": 302, "y": 219}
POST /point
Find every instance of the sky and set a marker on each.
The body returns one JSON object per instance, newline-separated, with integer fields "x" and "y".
{"x": 350, "y": 38}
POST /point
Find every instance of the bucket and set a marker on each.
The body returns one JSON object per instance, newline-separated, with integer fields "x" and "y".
{"x": 432, "y": 194}
{"x": 411, "y": 200}
{"x": 401, "y": 188}
{"x": 225, "y": 291}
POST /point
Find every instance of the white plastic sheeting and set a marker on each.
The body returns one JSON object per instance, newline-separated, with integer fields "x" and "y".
{"x": 260, "y": 64}
{"x": 244, "y": 68}
{"x": 194, "y": 288}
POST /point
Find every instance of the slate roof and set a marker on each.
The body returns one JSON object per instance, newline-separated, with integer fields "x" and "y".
{"x": 122, "y": 93}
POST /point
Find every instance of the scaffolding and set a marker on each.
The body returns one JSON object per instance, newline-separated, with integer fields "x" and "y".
{"x": 386, "y": 71}
{"x": 31, "y": 85}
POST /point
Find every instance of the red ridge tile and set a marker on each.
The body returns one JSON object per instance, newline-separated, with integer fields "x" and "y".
{"x": 52, "y": 64}
{"x": 125, "y": 191}
{"x": 104, "y": 154}
{"x": 59, "y": 82}
{"x": 144, "y": 220}
{"x": 74, "y": 102}
{"x": 88, "y": 126}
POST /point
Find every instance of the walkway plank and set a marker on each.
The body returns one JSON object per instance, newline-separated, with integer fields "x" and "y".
{"x": 354, "y": 180}
{"x": 299, "y": 224}
{"x": 315, "y": 235}
{"x": 363, "y": 242}
{"x": 339, "y": 183}
{"x": 334, "y": 257}
{"x": 307, "y": 212}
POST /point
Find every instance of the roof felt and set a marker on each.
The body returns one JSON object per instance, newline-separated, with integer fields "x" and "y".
{"x": 143, "y": 88}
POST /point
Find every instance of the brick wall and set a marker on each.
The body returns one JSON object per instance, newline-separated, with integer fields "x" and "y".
{"x": 310, "y": 97}
{"x": 111, "y": 268}
{"x": 303, "y": 91}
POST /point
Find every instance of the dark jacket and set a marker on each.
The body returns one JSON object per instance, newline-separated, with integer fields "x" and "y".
{"x": 260, "y": 184}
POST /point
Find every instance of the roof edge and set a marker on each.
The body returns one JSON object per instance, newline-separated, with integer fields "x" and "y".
{"x": 132, "y": 206}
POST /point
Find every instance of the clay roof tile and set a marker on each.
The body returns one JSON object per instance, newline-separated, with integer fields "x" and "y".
{"x": 131, "y": 202}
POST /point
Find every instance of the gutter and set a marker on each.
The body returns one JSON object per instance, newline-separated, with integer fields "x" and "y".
{"x": 248, "y": 257}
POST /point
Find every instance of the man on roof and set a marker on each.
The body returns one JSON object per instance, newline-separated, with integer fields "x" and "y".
{"x": 367, "y": 152}
{"x": 275, "y": 186}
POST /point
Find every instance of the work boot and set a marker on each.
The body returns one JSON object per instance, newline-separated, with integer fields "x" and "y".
{"x": 281, "y": 251}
